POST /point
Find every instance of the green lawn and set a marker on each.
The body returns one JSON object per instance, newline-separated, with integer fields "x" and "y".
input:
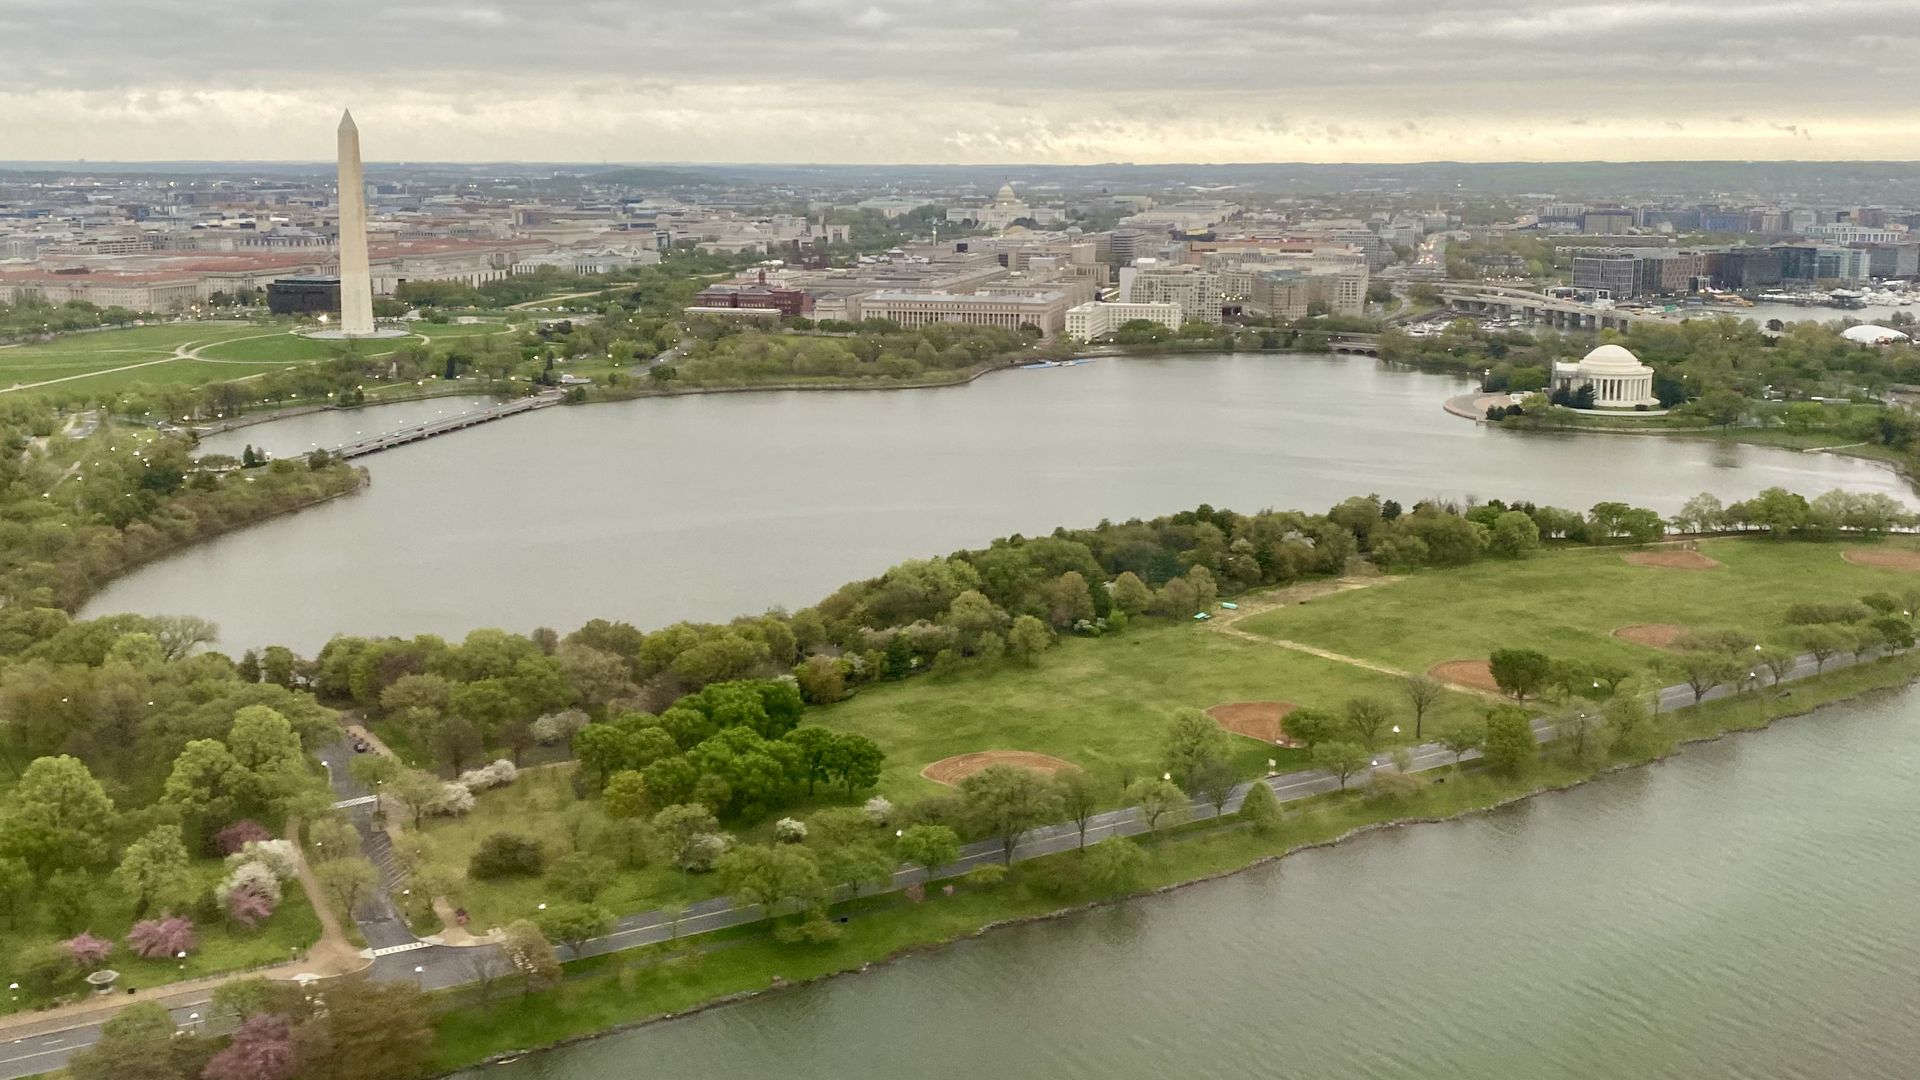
{"x": 81, "y": 354}
{"x": 270, "y": 347}
{"x": 539, "y": 805}
{"x": 1104, "y": 703}
{"x": 1567, "y": 604}
{"x": 437, "y": 331}
{"x": 221, "y": 947}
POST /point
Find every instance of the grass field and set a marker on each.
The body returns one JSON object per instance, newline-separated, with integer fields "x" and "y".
{"x": 1567, "y": 604}
{"x": 285, "y": 348}
{"x": 1104, "y": 703}
{"x": 439, "y": 331}
{"x": 85, "y": 354}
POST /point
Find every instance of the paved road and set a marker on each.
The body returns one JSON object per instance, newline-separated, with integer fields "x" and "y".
{"x": 435, "y": 967}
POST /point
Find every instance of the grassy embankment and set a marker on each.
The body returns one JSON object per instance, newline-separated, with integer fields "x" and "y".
{"x": 1102, "y": 703}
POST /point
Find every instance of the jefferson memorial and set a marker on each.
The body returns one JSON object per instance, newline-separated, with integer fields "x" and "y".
{"x": 1618, "y": 378}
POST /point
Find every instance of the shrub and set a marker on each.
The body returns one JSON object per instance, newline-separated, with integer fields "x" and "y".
{"x": 1261, "y": 807}
{"x": 254, "y": 877}
{"x": 985, "y": 877}
{"x": 498, "y": 774}
{"x": 239, "y": 834}
{"x": 280, "y": 857}
{"x": 504, "y": 855}
{"x": 169, "y": 935}
{"x": 1116, "y": 863}
{"x": 1395, "y": 786}
{"x": 703, "y": 850}
{"x": 1839, "y": 611}
{"x": 455, "y": 800}
{"x": 1057, "y": 878}
{"x": 88, "y": 952}
{"x": 878, "y": 810}
{"x": 46, "y": 970}
{"x": 555, "y": 728}
{"x": 790, "y": 831}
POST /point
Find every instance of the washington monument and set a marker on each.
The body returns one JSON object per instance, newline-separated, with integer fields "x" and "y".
{"x": 356, "y": 280}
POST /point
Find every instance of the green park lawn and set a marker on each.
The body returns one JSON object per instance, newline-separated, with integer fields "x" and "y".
{"x": 221, "y": 947}
{"x": 278, "y": 347}
{"x": 86, "y": 353}
{"x": 438, "y": 331}
{"x": 1104, "y": 703}
{"x": 541, "y": 804}
{"x": 1567, "y": 604}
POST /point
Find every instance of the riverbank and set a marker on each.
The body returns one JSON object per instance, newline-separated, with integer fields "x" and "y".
{"x": 648, "y": 986}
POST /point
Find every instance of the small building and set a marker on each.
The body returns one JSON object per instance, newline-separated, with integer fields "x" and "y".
{"x": 1618, "y": 378}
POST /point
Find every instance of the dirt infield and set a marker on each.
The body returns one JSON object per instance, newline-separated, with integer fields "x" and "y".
{"x": 1471, "y": 673}
{"x": 1255, "y": 719}
{"x": 1672, "y": 559}
{"x": 1654, "y": 635}
{"x": 1883, "y": 558}
{"x": 951, "y": 771}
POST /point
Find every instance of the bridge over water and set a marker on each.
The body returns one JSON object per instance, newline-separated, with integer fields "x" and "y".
{"x": 416, "y": 433}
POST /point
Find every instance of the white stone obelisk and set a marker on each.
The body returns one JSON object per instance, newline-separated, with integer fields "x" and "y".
{"x": 356, "y": 279}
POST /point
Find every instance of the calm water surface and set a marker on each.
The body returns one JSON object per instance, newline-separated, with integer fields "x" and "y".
{"x": 707, "y": 507}
{"x": 1745, "y": 910}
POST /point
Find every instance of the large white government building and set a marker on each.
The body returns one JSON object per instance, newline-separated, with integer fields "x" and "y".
{"x": 1618, "y": 378}
{"x": 1097, "y": 319}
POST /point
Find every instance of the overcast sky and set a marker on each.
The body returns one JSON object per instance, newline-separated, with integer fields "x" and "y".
{"x": 1064, "y": 81}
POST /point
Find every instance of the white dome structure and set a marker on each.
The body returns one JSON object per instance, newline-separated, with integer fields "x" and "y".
{"x": 1869, "y": 334}
{"x": 1618, "y": 378}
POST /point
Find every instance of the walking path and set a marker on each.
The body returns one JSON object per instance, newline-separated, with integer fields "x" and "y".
{"x": 431, "y": 965}
{"x": 1226, "y": 623}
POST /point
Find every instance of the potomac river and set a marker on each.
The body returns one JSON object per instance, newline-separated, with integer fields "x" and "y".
{"x": 705, "y": 507}
{"x": 1742, "y": 910}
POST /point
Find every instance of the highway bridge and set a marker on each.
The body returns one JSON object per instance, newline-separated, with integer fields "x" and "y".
{"x": 1537, "y": 308}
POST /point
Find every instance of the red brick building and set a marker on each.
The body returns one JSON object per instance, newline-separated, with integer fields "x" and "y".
{"x": 790, "y": 303}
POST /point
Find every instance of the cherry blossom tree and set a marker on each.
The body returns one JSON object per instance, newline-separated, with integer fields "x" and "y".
{"x": 88, "y": 952}
{"x": 262, "y": 1049}
{"x": 169, "y": 935}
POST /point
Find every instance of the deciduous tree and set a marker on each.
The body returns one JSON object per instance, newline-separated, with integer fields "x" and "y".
{"x": 1519, "y": 672}
{"x": 1342, "y": 759}
{"x": 1005, "y": 801}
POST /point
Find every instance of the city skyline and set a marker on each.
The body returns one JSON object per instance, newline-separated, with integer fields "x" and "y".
{"x": 843, "y": 81}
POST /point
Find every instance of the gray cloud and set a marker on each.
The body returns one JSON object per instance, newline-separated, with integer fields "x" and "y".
{"x": 919, "y": 80}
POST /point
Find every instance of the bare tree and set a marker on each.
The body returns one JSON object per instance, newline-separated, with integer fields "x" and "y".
{"x": 1423, "y": 692}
